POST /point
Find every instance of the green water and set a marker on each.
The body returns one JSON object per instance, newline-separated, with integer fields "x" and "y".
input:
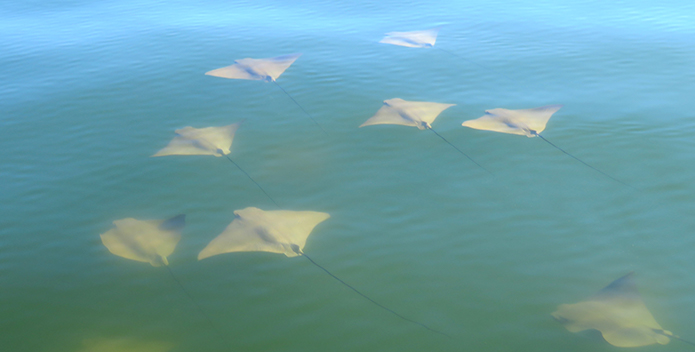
{"x": 91, "y": 90}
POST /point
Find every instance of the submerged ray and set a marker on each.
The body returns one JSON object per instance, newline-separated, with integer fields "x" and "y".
{"x": 124, "y": 345}
{"x": 268, "y": 70}
{"x": 525, "y": 122}
{"x": 149, "y": 241}
{"x": 277, "y": 231}
{"x": 215, "y": 141}
{"x": 414, "y": 39}
{"x": 618, "y": 312}
{"x": 420, "y": 114}
{"x": 420, "y": 39}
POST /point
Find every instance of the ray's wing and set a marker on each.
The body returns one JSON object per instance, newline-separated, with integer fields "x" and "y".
{"x": 268, "y": 231}
{"x": 294, "y": 226}
{"x": 496, "y": 120}
{"x": 239, "y": 70}
{"x": 143, "y": 241}
{"x": 256, "y": 69}
{"x": 122, "y": 240}
{"x": 618, "y": 312}
{"x": 388, "y": 115}
{"x": 220, "y": 138}
{"x": 187, "y": 142}
{"x": 414, "y": 39}
{"x": 275, "y": 66}
{"x": 201, "y": 141}
{"x": 407, "y": 113}
{"x": 424, "y": 111}
{"x": 167, "y": 236}
{"x": 242, "y": 235}
{"x": 535, "y": 119}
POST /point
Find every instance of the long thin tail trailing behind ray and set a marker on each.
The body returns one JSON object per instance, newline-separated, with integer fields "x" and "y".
{"x": 200, "y": 309}
{"x": 254, "y": 181}
{"x": 459, "y": 150}
{"x": 369, "y": 299}
{"x": 670, "y": 334}
{"x": 581, "y": 161}
{"x": 307, "y": 114}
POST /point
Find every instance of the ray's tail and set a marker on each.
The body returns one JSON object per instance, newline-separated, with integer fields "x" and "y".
{"x": 307, "y": 114}
{"x": 670, "y": 334}
{"x": 254, "y": 181}
{"x": 371, "y": 300}
{"x": 459, "y": 150}
{"x": 683, "y": 340}
{"x": 581, "y": 161}
{"x": 200, "y": 309}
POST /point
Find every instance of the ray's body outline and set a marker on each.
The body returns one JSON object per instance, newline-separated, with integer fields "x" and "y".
{"x": 420, "y": 114}
{"x": 526, "y": 122}
{"x": 216, "y": 141}
{"x": 423, "y": 39}
{"x": 250, "y": 232}
{"x": 129, "y": 239}
{"x": 618, "y": 312}
{"x": 268, "y": 69}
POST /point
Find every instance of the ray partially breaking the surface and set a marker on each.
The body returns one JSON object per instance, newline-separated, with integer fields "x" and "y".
{"x": 618, "y": 312}
{"x": 215, "y": 141}
{"x": 525, "y": 122}
{"x": 268, "y": 70}
{"x": 419, "y": 114}
{"x": 277, "y": 231}
{"x": 149, "y": 241}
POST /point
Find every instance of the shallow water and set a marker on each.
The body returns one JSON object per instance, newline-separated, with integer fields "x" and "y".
{"x": 91, "y": 90}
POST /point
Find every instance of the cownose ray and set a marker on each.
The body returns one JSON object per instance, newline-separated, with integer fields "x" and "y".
{"x": 414, "y": 39}
{"x": 149, "y": 241}
{"x": 215, "y": 141}
{"x": 276, "y": 231}
{"x": 124, "y": 345}
{"x": 419, "y": 39}
{"x": 419, "y": 114}
{"x": 525, "y": 122}
{"x": 618, "y": 313}
{"x": 268, "y": 70}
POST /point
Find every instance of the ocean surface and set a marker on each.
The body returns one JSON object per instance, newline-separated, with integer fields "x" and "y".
{"x": 89, "y": 90}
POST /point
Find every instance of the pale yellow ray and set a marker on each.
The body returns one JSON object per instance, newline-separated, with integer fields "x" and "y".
{"x": 276, "y": 231}
{"x": 525, "y": 122}
{"x": 414, "y": 39}
{"x": 149, "y": 241}
{"x": 408, "y": 113}
{"x": 256, "y": 69}
{"x": 215, "y": 141}
{"x": 618, "y": 312}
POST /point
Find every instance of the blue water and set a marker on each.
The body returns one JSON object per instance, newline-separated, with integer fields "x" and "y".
{"x": 91, "y": 89}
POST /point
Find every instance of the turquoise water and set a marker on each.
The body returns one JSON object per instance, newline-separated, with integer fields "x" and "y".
{"x": 91, "y": 90}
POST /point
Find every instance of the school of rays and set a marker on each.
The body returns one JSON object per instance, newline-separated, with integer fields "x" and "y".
{"x": 617, "y": 311}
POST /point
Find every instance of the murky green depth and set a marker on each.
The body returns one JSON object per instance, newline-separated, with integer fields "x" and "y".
{"x": 91, "y": 90}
